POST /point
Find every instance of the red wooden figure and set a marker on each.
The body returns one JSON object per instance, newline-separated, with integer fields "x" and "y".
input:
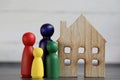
{"x": 28, "y": 40}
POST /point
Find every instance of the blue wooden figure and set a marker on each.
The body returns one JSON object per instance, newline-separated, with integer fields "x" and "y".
{"x": 46, "y": 31}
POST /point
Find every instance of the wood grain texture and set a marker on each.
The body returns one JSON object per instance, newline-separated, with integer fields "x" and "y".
{"x": 81, "y": 34}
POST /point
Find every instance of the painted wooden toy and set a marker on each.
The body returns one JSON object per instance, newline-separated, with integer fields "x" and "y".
{"x": 46, "y": 31}
{"x": 52, "y": 60}
{"x": 37, "y": 70}
{"x": 81, "y": 34}
{"x": 27, "y": 56}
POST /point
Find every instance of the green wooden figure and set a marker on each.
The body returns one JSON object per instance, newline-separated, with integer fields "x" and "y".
{"x": 52, "y": 60}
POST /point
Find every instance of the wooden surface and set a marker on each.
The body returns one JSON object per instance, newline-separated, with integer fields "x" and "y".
{"x": 11, "y": 71}
{"x": 81, "y": 34}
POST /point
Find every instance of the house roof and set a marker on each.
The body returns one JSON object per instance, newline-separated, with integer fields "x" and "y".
{"x": 78, "y": 29}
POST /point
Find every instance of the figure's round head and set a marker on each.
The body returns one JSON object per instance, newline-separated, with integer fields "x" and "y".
{"x": 47, "y": 30}
{"x": 37, "y": 52}
{"x": 52, "y": 46}
{"x": 28, "y": 39}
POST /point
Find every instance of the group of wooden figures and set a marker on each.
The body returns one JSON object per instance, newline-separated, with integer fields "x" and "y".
{"x": 40, "y": 62}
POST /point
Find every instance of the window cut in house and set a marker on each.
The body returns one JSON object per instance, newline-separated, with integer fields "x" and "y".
{"x": 67, "y": 50}
{"x": 95, "y": 50}
{"x": 81, "y": 50}
{"x": 95, "y": 62}
{"x": 67, "y": 62}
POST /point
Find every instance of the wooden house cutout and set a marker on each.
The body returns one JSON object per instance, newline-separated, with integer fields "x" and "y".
{"x": 81, "y": 34}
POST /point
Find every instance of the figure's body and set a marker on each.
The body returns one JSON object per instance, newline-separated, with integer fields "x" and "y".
{"x": 37, "y": 70}
{"x": 42, "y": 45}
{"x": 52, "y": 61}
{"x": 46, "y": 31}
{"x": 27, "y": 56}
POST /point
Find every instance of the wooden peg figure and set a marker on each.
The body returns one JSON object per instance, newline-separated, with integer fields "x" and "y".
{"x": 37, "y": 70}
{"x": 46, "y": 31}
{"x": 28, "y": 40}
{"x": 52, "y": 60}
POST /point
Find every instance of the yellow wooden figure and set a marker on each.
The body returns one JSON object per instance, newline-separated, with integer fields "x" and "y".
{"x": 37, "y": 70}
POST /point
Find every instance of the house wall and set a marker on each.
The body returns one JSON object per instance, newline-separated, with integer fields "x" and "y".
{"x": 19, "y": 16}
